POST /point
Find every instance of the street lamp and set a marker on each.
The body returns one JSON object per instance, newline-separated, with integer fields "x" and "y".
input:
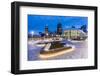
{"x": 32, "y": 33}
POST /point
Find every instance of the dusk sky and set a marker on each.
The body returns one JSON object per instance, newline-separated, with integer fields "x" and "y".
{"x": 37, "y": 23}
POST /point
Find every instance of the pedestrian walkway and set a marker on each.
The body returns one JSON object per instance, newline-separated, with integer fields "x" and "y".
{"x": 47, "y": 47}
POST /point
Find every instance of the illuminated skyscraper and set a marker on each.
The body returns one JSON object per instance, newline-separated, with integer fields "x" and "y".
{"x": 46, "y": 30}
{"x": 59, "y": 28}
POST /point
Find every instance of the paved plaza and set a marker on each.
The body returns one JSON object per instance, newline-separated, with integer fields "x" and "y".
{"x": 80, "y": 51}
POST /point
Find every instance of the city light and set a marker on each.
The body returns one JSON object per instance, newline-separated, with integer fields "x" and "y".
{"x": 32, "y": 33}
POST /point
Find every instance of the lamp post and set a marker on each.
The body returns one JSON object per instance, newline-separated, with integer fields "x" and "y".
{"x": 32, "y": 33}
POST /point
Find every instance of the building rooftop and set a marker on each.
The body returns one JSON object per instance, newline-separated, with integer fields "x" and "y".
{"x": 72, "y": 29}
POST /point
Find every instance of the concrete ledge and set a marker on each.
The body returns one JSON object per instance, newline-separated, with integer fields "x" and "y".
{"x": 56, "y": 53}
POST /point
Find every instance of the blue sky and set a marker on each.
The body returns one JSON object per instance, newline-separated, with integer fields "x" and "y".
{"x": 37, "y": 23}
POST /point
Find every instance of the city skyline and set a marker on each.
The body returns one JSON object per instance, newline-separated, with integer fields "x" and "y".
{"x": 37, "y": 23}
{"x": 53, "y": 37}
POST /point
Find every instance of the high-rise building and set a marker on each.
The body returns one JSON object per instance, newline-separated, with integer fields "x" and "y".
{"x": 46, "y": 30}
{"x": 59, "y": 28}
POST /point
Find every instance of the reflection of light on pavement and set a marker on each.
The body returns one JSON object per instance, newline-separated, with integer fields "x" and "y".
{"x": 56, "y": 54}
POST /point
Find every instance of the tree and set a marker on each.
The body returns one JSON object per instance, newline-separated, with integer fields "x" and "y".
{"x": 41, "y": 34}
{"x": 84, "y": 28}
{"x": 73, "y": 26}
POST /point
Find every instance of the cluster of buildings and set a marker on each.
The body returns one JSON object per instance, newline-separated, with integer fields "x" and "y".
{"x": 70, "y": 33}
{"x": 57, "y": 33}
{"x": 74, "y": 34}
